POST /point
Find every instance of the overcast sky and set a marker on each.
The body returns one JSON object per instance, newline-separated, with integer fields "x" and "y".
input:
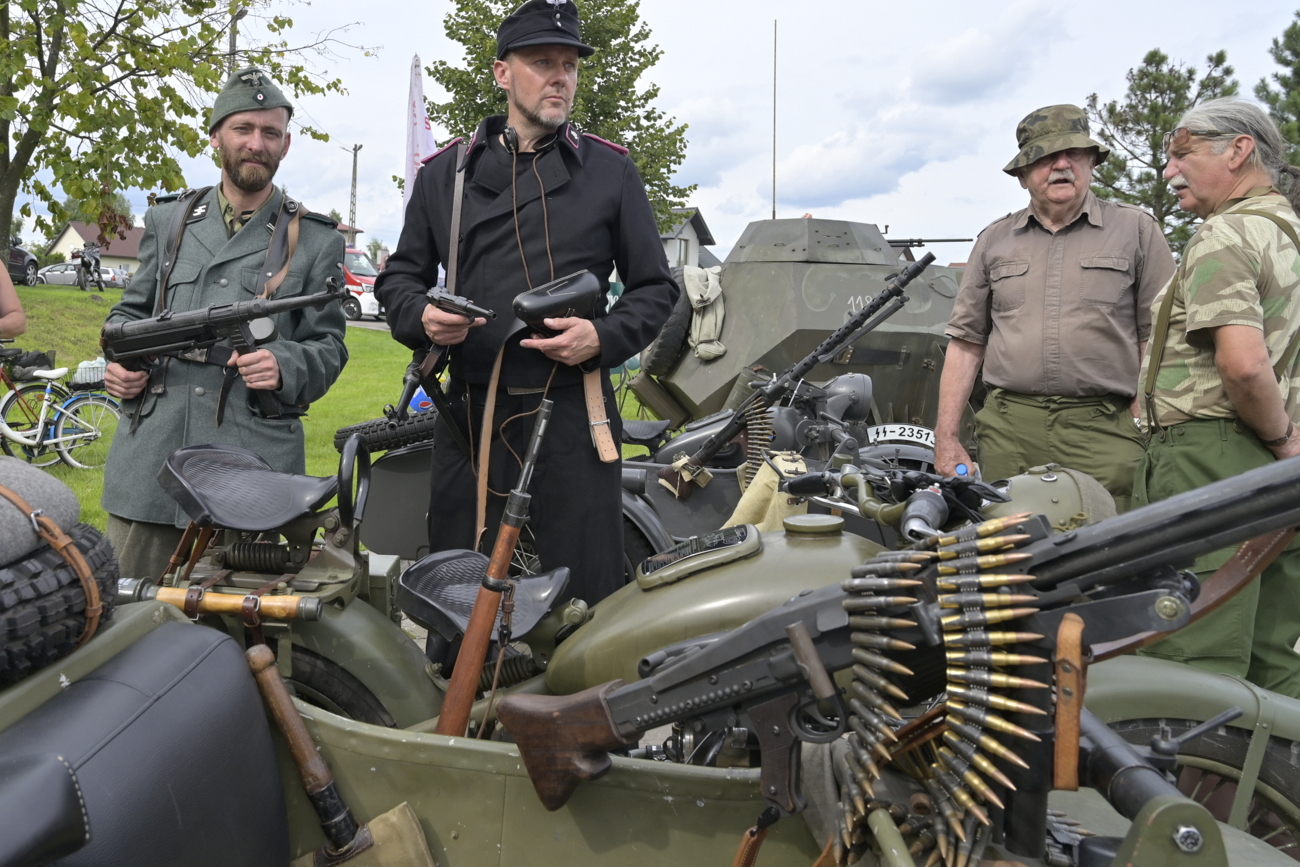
{"x": 899, "y": 113}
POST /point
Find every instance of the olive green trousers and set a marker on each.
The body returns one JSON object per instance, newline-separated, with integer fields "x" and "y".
{"x": 143, "y": 548}
{"x": 1095, "y": 435}
{"x": 1254, "y": 633}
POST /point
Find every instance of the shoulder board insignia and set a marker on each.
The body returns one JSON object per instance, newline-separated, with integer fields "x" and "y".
{"x": 571, "y": 132}
{"x": 609, "y": 144}
{"x": 197, "y": 213}
{"x": 320, "y": 218}
{"x": 448, "y": 146}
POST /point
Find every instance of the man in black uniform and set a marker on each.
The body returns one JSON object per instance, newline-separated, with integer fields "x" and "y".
{"x": 541, "y": 200}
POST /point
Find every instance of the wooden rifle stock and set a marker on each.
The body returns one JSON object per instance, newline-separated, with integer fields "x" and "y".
{"x": 558, "y": 757}
{"x": 459, "y": 700}
{"x": 679, "y": 477}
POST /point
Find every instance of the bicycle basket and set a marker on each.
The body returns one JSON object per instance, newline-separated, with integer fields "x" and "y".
{"x": 25, "y": 365}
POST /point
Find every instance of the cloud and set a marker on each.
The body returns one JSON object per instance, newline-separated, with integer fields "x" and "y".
{"x": 989, "y": 59}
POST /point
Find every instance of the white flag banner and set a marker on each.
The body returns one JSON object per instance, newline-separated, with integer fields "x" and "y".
{"x": 419, "y": 132}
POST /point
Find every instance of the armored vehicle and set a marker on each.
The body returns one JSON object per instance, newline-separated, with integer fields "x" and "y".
{"x": 786, "y": 285}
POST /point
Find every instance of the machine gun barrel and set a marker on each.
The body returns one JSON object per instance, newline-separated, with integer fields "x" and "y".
{"x": 679, "y": 479}
{"x": 175, "y": 332}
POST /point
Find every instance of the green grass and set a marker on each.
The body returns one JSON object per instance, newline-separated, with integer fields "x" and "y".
{"x": 68, "y": 321}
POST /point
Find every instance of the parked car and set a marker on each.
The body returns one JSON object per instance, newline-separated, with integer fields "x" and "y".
{"x": 22, "y": 264}
{"x": 360, "y": 273}
{"x": 65, "y": 274}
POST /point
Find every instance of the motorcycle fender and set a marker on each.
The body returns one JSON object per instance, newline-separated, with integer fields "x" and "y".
{"x": 378, "y": 653}
{"x": 1143, "y": 687}
{"x": 646, "y": 519}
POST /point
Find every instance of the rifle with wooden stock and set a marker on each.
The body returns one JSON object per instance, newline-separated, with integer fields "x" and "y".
{"x": 770, "y": 675}
{"x": 691, "y": 470}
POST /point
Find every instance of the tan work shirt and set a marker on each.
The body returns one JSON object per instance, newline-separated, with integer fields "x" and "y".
{"x": 1063, "y": 313}
{"x": 234, "y": 222}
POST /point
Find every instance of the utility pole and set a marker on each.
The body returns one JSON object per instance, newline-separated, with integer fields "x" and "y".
{"x": 774, "y": 119}
{"x": 352, "y": 207}
{"x": 235, "y": 18}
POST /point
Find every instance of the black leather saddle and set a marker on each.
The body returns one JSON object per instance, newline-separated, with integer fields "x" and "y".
{"x": 9, "y": 352}
{"x": 438, "y": 593}
{"x": 226, "y": 486}
{"x": 643, "y": 432}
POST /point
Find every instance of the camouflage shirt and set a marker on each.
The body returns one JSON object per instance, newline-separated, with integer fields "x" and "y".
{"x": 1238, "y": 269}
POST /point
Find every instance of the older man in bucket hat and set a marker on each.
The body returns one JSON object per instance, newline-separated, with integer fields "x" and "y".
{"x": 1055, "y": 305}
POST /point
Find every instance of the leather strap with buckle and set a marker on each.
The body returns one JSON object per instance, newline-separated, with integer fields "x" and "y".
{"x": 601, "y": 437}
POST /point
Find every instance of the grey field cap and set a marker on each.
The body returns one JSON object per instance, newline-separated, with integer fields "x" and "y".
{"x": 1050, "y": 130}
{"x": 249, "y": 89}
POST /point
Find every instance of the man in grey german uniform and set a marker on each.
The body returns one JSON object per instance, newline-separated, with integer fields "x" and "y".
{"x": 223, "y": 249}
{"x": 1220, "y": 386}
{"x": 1055, "y": 304}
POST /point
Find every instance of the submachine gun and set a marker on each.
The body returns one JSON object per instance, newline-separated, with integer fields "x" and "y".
{"x": 987, "y": 596}
{"x": 198, "y": 335}
{"x": 690, "y": 470}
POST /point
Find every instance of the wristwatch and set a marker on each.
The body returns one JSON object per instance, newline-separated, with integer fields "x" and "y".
{"x": 1282, "y": 440}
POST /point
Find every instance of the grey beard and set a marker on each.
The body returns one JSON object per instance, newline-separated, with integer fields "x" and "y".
{"x": 550, "y": 124}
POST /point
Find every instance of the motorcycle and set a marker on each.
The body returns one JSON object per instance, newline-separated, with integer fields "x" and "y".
{"x": 89, "y": 271}
{"x": 690, "y": 800}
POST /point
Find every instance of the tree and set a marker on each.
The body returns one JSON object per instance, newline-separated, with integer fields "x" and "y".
{"x": 98, "y": 96}
{"x": 1160, "y": 91}
{"x": 1284, "y": 102}
{"x": 374, "y": 247}
{"x": 118, "y": 206}
{"x": 608, "y": 102}
{"x": 336, "y": 216}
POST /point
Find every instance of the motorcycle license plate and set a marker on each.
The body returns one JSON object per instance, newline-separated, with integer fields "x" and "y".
{"x": 901, "y": 433}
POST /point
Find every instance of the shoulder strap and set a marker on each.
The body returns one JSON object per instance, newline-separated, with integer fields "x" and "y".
{"x": 279, "y": 253}
{"x": 71, "y": 554}
{"x": 1283, "y": 361}
{"x": 175, "y": 232}
{"x": 457, "y": 200}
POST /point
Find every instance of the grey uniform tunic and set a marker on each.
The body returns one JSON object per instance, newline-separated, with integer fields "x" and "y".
{"x": 213, "y": 269}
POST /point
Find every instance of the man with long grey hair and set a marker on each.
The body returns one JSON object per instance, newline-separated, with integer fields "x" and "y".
{"x": 1220, "y": 383}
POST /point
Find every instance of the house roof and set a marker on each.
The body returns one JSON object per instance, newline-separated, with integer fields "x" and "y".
{"x": 691, "y": 216}
{"x": 125, "y": 248}
{"x": 707, "y": 259}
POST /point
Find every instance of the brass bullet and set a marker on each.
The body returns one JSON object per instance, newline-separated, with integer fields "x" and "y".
{"x": 924, "y": 841}
{"x": 984, "y": 618}
{"x": 858, "y": 746}
{"x": 980, "y": 564}
{"x": 966, "y": 772}
{"x": 867, "y": 622}
{"x": 980, "y": 546}
{"x": 981, "y": 717}
{"x": 959, "y": 793}
{"x": 879, "y": 681}
{"x": 985, "y": 600}
{"x": 942, "y": 836}
{"x": 878, "y": 585}
{"x": 935, "y": 859}
{"x": 985, "y": 742}
{"x": 991, "y": 657}
{"x": 971, "y": 753}
{"x": 984, "y": 698}
{"x": 872, "y": 698}
{"x": 859, "y": 604}
{"x": 875, "y": 660}
{"x": 970, "y": 583}
{"x": 978, "y": 531}
{"x": 859, "y": 773}
{"x": 982, "y": 638}
{"x": 887, "y": 563}
{"x": 874, "y": 720}
{"x": 981, "y": 677}
{"x": 890, "y": 570}
{"x": 914, "y": 825}
{"x": 943, "y": 802}
{"x": 881, "y": 642}
{"x": 855, "y": 794}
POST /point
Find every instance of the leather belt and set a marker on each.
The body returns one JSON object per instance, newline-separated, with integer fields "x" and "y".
{"x": 1070, "y": 679}
{"x": 598, "y": 421}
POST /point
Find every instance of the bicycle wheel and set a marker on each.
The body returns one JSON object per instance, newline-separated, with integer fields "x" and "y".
{"x": 89, "y": 421}
{"x": 21, "y": 411}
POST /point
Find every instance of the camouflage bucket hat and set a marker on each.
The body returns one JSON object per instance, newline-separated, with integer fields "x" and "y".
{"x": 1051, "y": 130}
{"x": 249, "y": 89}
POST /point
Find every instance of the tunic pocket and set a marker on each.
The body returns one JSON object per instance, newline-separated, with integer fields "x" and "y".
{"x": 1007, "y": 282}
{"x": 1105, "y": 277}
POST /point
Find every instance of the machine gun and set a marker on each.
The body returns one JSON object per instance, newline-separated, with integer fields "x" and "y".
{"x": 197, "y": 335}
{"x": 1119, "y": 574}
{"x": 688, "y": 470}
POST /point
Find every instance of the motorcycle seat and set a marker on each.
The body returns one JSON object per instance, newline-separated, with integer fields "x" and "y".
{"x": 10, "y": 352}
{"x": 230, "y": 487}
{"x": 438, "y": 593}
{"x": 644, "y": 432}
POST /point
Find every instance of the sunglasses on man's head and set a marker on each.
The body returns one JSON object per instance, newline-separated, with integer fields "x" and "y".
{"x": 1183, "y": 135}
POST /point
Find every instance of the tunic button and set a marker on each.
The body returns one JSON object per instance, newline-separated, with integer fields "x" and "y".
{"x": 223, "y": 282}
{"x": 293, "y": 428}
{"x": 198, "y": 392}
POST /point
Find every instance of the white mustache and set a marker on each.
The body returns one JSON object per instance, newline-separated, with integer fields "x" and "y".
{"x": 1061, "y": 175}
{"x": 1178, "y": 182}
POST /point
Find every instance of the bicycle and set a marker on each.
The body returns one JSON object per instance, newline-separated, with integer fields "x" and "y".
{"x": 75, "y": 427}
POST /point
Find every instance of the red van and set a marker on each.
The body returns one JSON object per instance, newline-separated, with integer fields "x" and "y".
{"x": 360, "y": 273}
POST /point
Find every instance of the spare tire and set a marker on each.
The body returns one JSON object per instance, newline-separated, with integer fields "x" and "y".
{"x": 659, "y": 357}
{"x": 381, "y": 434}
{"x": 43, "y": 605}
